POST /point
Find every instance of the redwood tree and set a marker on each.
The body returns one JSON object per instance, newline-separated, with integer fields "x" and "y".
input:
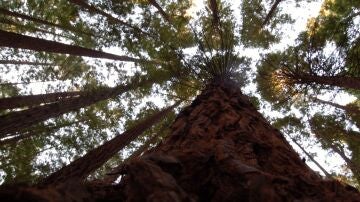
{"x": 219, "y": 148}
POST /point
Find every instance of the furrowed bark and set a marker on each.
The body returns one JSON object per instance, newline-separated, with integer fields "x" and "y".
{"x": 222, "y": 149}
{"x": 20, "y": 120}
{"x": 40, "y": 21}
{"x": 13, "y": 40}
{"x": 82, "y": 167}
{"x": 116, "y": 171}
{"x": 32, "y": 100}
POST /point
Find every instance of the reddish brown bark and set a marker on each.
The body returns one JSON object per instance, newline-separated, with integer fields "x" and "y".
{"x": 31, "y": 100}
{"x": 13, "y": 40}
{"x": 82, "y": 167}
{"x": 222, "y": 149}
{"x": 116, "y": 171}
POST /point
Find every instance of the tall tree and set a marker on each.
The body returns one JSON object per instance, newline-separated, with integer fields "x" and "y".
{"x": 220, "y": 148}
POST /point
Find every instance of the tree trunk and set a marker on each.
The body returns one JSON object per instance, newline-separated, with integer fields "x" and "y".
{"x": 355, "y": 168}
{"x": 116, "y": 171}
{"x": 348, "y": 109}
{"x": 93, "y": 9}
{"x": 13, "y": 40}
{"x": 271, "y": 13}
{"x": 40, "y": 21}
{"x": 161, "y": 10}
{"x": 18, "y": 62}
{"x": 20, "y": 120}
{"x": 82, "y": 167}
{"x": 339, "y": 81}
{"x": 222, "y": 149}
{"x": 311, "y": 158}
{"x": 31, "y": 100}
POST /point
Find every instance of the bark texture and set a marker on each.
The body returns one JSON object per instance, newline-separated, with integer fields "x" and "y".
{"x": 82, "y": 167}
{"x": 222, "y": 149}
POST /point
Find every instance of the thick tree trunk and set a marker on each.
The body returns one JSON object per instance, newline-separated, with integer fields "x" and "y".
{"x": 31, "y": 100}
{"x": 222, "y": 149}
{"x": 82, "y": 167}
{"x": 13, "y": 40}
{"x": 20, "y": 120}
{"x": 339, "y": 81}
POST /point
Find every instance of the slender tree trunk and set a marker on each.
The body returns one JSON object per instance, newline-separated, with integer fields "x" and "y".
{"x": 222, "y": 149}
{"x": 20, "y": 120}
{"x": 82, "y": 167}
{"x": 13, "y": 40}
{"x": 355, "y": 168}
{"x": 339, "y": 81}
{"x": 93, "y": 9}
{"x": 116, "y": 171}
{"x": 40, "y": 21}
{"x": 311, "y": 158}
{"x": 32, "y": 100}
{"x": 161, "y": 10}
{"x": 18, "y": 62}
{"x": 348, "y": 109}
{"x": 34, "y": 132}
{"x": 271, "y": 12}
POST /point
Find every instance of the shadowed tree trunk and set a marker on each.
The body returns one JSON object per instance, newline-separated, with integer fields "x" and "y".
{"x": 13, "y": 40}
{"x": 116, "y": 171}
{"x": 31, "y": 100}
{"x": 339, "y": 81}
{"x": 271, "y": 12}
{"x": 18, "y": 62}
{"x": 161, "y": 10}
{"x": 20, "y": 120}
{"x": 82, "y": 167}
{"x": 348, "y": 109}
{"x": 311, "y": 158}
{"x": 222, "y": 149}
{"x": 40, "y": 21}
{"x": 93, "y": 9}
